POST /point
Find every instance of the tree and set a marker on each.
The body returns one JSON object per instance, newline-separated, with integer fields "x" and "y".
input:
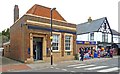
{"x": 3, "y": 32}
{"x": 6, "y": 35}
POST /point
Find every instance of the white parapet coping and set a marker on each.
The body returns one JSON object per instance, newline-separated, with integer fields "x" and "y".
{"x": 6, "y": 43}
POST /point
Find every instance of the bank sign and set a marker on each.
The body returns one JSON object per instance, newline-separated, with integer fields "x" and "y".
{"x": 86, "y": 42}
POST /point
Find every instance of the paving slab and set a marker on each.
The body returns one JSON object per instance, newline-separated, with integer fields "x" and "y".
{"x": 8, "y": 65}
{"x": 10, "y": 68}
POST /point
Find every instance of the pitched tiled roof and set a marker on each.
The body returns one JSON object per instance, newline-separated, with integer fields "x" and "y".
{"x": 115, "y": 32}
{"x": 44, "y": 12}
{"x": 118, "y": 45}
{"x": 88, "y": 27}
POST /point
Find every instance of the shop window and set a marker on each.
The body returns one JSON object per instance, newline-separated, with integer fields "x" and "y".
{"x": 67, "y": 42}
{"x": 55, "y": 42}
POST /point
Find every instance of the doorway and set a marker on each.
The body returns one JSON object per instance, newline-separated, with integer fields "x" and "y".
{"x": 37, "y": 48}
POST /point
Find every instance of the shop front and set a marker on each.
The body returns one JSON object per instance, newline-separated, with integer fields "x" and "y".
{"x": 89, "y": 47}
{"x": 86, "y": 44}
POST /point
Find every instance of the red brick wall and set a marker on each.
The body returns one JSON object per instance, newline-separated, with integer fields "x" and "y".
{"x": 6, "y": 50}
{"x": 20, "y": 40}
{"x": 16, "y": 40}
{"x": 74, "y": 45}
{"x": 62, "y": 46}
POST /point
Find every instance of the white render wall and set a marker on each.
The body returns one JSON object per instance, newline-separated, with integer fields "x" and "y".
{"x": 119, "y": 19}
{"x": 116, "y": 39}
{"x": 83, "y": 37}
{"x": 86, "y": 37}
{"x": 109, "y": 38}
{"x": 97, "y": 37}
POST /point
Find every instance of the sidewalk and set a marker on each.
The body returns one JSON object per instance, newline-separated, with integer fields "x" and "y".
{"x": 7, "y": 65}
{"x": 21, "y": 67}
{"x": 9, "y": 68}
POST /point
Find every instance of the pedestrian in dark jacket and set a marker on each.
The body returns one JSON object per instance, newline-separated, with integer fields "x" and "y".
{"x": 108, "y": 52}
{"x": 111, "y": 53}
{"x": 82, "y": 54}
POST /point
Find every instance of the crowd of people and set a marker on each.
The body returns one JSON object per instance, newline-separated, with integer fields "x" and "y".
{"x": 91, "y": 52}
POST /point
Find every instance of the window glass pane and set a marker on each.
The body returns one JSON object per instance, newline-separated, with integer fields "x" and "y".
{"x": 91, "y": 36}
{"x": 66, "y": 40}
{"x": 69, "y": 45}
{"x": 55, "y": 48}
{"x": 55, "y": 42}
{"x": 67, "y": 48}
{"x": 104, "y": 37}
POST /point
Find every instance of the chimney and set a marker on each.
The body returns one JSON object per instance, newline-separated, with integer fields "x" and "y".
{"x": 16, "y": 13}
{"x": 89, "y": 19}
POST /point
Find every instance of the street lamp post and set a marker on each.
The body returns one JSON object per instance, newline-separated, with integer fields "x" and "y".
{"x": 51, "y": 34}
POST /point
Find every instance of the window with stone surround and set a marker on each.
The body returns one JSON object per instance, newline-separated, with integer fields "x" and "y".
{"x": 55, "y": 42}
{"x": 67, "y": 42}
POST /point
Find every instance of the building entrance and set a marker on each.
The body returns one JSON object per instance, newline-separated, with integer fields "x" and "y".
{"x": 37, "y": 48}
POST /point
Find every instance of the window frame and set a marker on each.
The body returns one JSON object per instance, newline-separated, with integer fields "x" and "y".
{"x": 59, "y": 42}
{"x": 71, "y": 42}
{"x": 91, "y": 36}
{"x": 104, "y": 37}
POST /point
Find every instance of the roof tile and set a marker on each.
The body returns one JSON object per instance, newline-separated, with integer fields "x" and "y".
{"x": 43, "y": 11}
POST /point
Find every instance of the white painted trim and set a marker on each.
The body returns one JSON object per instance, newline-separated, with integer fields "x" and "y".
{"x": 56, "y": 26}
{"x": 6, "y": 43}
{"x": 59, "y": 45}
{"x": 71, "y": 42}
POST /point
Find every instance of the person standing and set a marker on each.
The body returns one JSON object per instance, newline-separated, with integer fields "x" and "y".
{"x": 111, "y": 53}
{"x": 98, "y": 52}
{"x": 79, "y": 53}
{"x": 108, "y": 52}
{"x": 82, "y": 54}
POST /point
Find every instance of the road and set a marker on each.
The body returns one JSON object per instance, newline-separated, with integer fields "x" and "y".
{"x": 92, "y": 65}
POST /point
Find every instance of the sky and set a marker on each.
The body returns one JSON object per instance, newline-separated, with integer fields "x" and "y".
{"x": 73, "y": 11}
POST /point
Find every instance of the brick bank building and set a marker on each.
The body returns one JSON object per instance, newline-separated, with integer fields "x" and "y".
{"x": 30, "y": 36}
